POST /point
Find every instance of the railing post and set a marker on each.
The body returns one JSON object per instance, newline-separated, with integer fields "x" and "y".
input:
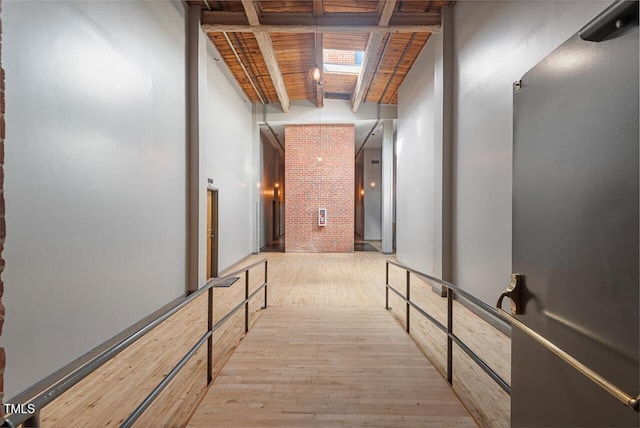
{"x": 246, "y": 301}
{"x": 266, "y": 281}
{"x": 210, "y": 340}
{"x": 408, "y": 297}
{"x": 33, "y": 421}
{"x": 449, "y": 333}
{"x": 386, "y": 288}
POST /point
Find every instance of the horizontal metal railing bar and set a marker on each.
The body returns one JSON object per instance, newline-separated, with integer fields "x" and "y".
{"x": 603, "y": 383}
{"x": 229, "y": 314}
{"x": 490, "y": 310}
{"x": 163, "y": 384}
{"x": 483, "y": 306}
{"x": 256, "y": 291}
{"x": 38, "y": 388}
{"x": 146, "y": 403}
{"x": 63, "y": 384}
{"x": 498, "y": 323}
{"x": 479, "y": 361}
{"x": 240, "y": 305}
{"x": 419, "y": 309}
{"x": 498, "y": 313}
{"x": 495, "y": 376}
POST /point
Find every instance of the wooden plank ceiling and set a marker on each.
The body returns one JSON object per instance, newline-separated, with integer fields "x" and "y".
{"x": 272, "y": 46}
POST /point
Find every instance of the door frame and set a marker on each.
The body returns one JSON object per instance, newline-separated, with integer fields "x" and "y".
{"x": 213, "y": 239}
{"x": 275, "y": 213}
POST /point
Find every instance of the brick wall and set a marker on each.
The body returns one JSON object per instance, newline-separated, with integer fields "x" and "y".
{"x": 3, "y": 229}
{"x": 334, "y": 56}
{"x": 319, "y": 173}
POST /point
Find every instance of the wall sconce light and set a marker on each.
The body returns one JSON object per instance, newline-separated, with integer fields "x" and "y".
{"x": 315, "y": 73}
{"x": 373, "y": 184}
{"x": 362, "y": 192}
{"x": 277, "y": 185}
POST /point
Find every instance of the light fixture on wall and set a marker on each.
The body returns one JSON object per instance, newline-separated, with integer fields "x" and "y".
{"x": 277, "y": 185}
{"x": 373, "y": 184}
{"x": 315, "y": 73}
{"x": 362, "y": 192}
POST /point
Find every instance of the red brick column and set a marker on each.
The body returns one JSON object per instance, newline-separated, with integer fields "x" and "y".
{"x": 3, "y": 228}
{"x": 319, "y": 173}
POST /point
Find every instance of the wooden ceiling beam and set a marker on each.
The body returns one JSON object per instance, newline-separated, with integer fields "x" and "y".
{"x": 322, "y": 20}
{"x": 269, "y": 55}
{"x": 338, "y": 29}
{"x": 318, "y": 8}
{"x": 386, "y": 12}
{"x": 371, "y": 54}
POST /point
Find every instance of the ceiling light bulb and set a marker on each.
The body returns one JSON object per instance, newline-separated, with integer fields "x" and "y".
{"x": 316, "y": 73}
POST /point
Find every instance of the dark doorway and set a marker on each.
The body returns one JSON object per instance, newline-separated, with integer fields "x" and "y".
{"x": 212, "y": 233}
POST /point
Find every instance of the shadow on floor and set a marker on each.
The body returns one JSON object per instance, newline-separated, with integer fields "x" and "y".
{"x": 276, "y": 247}
{"x": 363, "y": 246}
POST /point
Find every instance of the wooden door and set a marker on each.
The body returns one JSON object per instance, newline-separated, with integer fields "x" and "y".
{"x": 212, "y": 234}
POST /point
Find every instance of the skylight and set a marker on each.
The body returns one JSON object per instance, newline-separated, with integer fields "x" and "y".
{"x": 342, "y": 61}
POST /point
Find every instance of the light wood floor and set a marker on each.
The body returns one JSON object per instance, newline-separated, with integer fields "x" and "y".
{"x": 111, "y": 393}
{"x": 357, "y": 280}
{"x": 487, "y": 402}
{"x": 329, "y": 367}
{"x": 354, "y": 280}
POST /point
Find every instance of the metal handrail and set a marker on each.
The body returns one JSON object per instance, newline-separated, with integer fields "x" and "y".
{"x": 500, "y": 314}
{"x": 59, "y": 386}
{"x": 487, "y": 309}
{"x": 139, "y": 411}
{"x": 619, "y": 394}
{"x": 448, "y": 329}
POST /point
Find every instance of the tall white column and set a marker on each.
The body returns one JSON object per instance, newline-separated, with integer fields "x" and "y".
{"x": 387, "y": 186}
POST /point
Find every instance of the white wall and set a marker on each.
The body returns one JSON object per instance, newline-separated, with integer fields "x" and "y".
{"x": 228, "y": 143}
{"x": 495, "y": 43}
{"x": 95, "y": 175}
{"x": 415, "y": 148}
{"x": 372, "y": 195}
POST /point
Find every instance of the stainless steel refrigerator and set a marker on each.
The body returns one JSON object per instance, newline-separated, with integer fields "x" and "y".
{"x": 576, "y": 225}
